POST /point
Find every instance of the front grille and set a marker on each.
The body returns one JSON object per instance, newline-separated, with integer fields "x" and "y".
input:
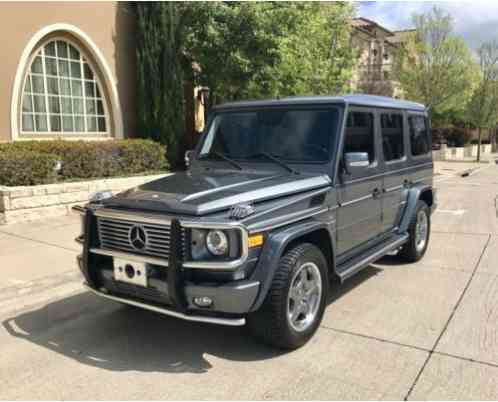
{"x": 114, "y": 234}
{"x": 138, "y": 291}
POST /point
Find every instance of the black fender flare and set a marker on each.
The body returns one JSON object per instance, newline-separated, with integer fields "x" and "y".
{"x": 414, "y": 194}
{"x": 274, "y": 246}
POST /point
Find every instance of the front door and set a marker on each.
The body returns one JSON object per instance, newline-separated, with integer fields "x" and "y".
{"x": 359, "y": 217}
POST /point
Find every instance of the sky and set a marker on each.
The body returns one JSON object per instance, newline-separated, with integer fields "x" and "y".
{"x": 475, "y": 21}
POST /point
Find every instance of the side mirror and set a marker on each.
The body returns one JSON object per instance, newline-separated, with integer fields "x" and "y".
{"x": 355, "y": 160}
{"x": 188, "y": 157}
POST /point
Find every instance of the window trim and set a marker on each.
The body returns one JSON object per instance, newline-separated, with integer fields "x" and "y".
{"x": 40, "y": 50}
{"x": 95, "y": 54}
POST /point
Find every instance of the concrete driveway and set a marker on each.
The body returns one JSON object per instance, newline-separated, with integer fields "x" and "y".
{"x": 422, "y": 331}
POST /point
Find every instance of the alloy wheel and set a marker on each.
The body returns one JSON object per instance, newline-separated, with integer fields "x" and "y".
{"x": 303, "y": 301}
{"x": 421, "y": 230}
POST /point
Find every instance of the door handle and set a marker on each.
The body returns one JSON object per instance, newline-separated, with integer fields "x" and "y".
{"x": 376, "y": 193}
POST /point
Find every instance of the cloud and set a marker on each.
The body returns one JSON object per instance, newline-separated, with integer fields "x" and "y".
{"x": 475, "y": 21}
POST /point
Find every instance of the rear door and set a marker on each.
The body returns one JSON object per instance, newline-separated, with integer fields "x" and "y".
{"x": 393, "y": 136}
{"x": 359, "y": 213}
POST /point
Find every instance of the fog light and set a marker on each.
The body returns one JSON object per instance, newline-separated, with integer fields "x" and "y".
{"x": 203, "y": 301}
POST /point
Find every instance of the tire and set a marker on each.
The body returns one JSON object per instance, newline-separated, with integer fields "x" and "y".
{"x": 299, "y": 269}
{"x": 414, "y": 249}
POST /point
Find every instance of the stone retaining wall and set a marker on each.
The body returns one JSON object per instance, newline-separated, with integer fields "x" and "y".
{"x": 25, "y": 203}
{"x": 460, "y": 153}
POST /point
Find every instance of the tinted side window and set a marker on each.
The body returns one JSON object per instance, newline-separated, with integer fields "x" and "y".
{"x": 360, "y": 134}
{"x": 392, "y": 136}
{"x": 419, "y": 135}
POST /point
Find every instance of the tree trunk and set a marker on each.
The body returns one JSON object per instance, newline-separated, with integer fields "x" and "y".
{"x": 479, "y": 133}
{"x": 493, "y": 139}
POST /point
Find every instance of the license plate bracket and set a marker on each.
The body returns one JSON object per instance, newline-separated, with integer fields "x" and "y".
{"x": 130, "y": 272}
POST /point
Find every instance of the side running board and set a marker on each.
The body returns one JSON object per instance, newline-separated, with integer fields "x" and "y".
{"x": 352, "y": 266}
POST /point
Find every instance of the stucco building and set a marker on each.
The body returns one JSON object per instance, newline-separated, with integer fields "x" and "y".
{"x": 376, "y": 46}
{"x": 67, "y": 70}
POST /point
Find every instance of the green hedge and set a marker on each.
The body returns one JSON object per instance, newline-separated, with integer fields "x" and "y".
{"x": 36, "y": 162}
{"x": 25, "y": 168}
{"x": 453, "y": 136}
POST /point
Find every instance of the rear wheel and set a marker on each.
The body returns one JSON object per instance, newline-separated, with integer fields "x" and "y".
{"x": 419, "y": 232}
{"x": 294, "y": 305}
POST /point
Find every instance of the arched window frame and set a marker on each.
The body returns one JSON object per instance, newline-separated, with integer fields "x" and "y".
{"x": 83, "y": 58}
{"x": 93, "y": 51}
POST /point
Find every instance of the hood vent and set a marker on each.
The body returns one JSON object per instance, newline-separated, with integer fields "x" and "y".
{"x": 240, "y": 211}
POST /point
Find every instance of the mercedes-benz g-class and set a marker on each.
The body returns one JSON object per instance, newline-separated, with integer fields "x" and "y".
{"x": 280, "y": 197}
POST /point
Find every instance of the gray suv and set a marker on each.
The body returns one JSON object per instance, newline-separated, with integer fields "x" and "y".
{"x": 280, "y": 198}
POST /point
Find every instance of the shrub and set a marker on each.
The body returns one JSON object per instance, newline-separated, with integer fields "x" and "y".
{"x": 458, "y": 137}
{"x": 453, "y": 136}
{"x": 80, "y": 159}
{"x": 25, "y": 168}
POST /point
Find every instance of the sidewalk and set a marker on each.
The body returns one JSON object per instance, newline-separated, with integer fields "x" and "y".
{"x": 38, "y": 258}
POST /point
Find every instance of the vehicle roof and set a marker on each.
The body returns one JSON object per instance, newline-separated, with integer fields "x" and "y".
{"x": 357, "y": 100}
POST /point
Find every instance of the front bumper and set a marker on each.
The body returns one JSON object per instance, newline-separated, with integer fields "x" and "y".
{"x": 172, "y": 313}
{"x": 230, "y": 301}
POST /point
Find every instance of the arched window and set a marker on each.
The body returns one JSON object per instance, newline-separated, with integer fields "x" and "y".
{"x": 62, "y": 93}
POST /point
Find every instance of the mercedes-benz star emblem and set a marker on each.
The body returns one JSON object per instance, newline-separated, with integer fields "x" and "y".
{"x": 138, "y": 237}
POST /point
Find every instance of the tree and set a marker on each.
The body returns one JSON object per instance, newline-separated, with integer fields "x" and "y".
{"x": 160, "y": 71}
{"x": 483, "y": 106}
{"x": 315, "y": 56}
{"x": 270, "y": 49}
{"x": 434, "y": 67}
{"x": 244, "y": 50}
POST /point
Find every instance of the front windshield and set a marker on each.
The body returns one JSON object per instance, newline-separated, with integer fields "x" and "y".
{"x": 293, "y": 135}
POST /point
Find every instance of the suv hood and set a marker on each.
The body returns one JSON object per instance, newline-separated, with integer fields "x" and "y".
{"x": 200, "y": 192}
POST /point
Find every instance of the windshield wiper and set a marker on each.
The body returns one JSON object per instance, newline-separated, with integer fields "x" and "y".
{"x": 221, "y": 156}
{"x": 277, "y": 161}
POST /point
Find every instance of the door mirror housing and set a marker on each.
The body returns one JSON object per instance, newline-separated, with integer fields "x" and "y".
{"x": 354, "y": 161}
{"x": 189, "y": 155}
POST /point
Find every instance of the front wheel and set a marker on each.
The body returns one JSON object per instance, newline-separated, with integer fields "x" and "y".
{"x": 419, "y": 232}
{"x": 295, "y": 303}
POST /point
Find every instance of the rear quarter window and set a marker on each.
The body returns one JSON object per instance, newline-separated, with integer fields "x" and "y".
{"x": 419, "y": 135}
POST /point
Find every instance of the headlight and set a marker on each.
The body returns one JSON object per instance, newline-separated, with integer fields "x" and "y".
{"x": 223, "y": 247}
{"x": 217, "y": 242}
